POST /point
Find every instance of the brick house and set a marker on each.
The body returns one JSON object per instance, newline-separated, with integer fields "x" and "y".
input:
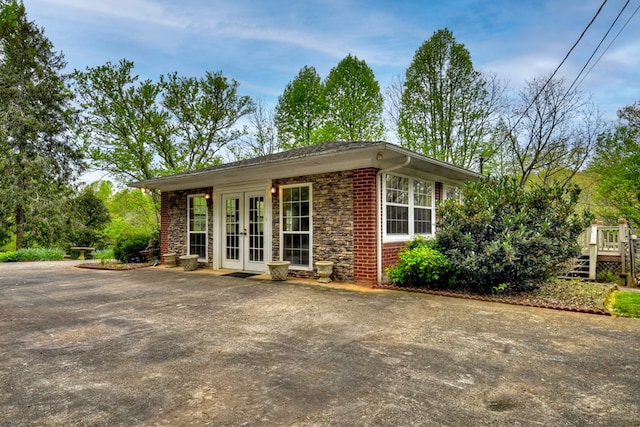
{"x": 353, "y": 203}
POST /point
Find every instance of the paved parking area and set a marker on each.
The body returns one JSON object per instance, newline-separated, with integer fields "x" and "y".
{"x": 165, "y": 347}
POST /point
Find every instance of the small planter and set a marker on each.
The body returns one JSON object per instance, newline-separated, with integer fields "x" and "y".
{"x": 189, "y": 262}
{"x": 278, "y": 269}
{"x": 325, "y": 269}
{"x": 170, "y": 260}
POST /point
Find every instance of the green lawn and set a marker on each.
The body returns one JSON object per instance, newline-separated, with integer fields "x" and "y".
{"x": 625, "y": 304}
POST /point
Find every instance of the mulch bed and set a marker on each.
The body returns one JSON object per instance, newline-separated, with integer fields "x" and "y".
{"x": 527, "y": 300}
{"x": 114, "y": 266}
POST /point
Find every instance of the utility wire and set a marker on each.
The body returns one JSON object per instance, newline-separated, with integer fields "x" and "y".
{"x": 535, "y": 98}
{"x": 609, "y": 45}
{"x": 596, "y": 49}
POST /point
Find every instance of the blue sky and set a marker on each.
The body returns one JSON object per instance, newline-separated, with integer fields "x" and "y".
{"x": 263, "y": 44}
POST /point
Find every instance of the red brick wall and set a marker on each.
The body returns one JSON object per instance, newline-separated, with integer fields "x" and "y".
{"x": 390, "y": 253}
{"x": 364, "y": 226}
{"x": 164, "y": 223}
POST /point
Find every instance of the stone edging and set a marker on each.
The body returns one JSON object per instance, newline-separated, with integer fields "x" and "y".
{"x": 493, "y": 299}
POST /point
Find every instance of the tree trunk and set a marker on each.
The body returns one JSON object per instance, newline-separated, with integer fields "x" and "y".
{"x": 19, "y": 227}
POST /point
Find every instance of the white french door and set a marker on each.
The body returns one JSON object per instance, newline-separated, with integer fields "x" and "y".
{"x": 243, "y": 239}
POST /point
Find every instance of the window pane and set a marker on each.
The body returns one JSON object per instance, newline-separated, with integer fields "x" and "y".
{"x": 296, "y": 225}
{"x": 397, "y": 190}
{"x": 397, "y": 220}
{"x": 198, "y": 244}
{"x": 198, "y": 214}
{"x": 422, "y": 221}
{"x": 422, "y": 191}
{"x": 296, "y": 249}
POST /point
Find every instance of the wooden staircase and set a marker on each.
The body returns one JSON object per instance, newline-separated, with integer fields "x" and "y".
{"x": 578, "y": 268}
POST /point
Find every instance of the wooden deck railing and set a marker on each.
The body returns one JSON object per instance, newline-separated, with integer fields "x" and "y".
{"x": 619, "y": 241}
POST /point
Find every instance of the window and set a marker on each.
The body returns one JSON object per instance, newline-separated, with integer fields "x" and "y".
{"x": 296, "y": 225}
{"x": 198, "y": 227}
{"x": 409, "y": 206}
{"x": 452, "y": 192}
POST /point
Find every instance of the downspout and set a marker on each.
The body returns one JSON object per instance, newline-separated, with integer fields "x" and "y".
{"x": 379, "y": 214}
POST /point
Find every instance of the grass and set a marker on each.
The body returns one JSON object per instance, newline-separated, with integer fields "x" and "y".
{"x": 32, "y": 254}
{"x": 624, "y": 304}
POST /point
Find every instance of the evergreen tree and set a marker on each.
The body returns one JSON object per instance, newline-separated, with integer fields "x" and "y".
{"x": 37, "y": 158}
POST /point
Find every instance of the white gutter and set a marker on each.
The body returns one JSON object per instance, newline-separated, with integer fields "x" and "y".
{"x": 379, "y": 214}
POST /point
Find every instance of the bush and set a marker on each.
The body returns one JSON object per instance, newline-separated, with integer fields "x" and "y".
{"x": 419, "y": 265}
{"x": 127, "y": 248}
{"x": 32, "y": 254}
{"x": 505, "y": 235}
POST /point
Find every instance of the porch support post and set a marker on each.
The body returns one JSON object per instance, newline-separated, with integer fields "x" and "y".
{"x": 623, "y": 240}
{"x": 593, "y": 250}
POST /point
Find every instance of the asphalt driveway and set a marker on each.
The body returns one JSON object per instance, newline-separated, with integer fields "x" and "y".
{"x": 165, "y": 347}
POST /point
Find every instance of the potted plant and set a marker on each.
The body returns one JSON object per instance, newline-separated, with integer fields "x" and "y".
{"x": 278, "y": 269}
{"x": 325, "y": 269}
{"x": 189, "y": 262}
{"x": 170, "y": 259}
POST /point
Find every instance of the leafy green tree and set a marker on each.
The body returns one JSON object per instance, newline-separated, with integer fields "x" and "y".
{"x": 88, "y": 218}
{"x": 37, "y": 159}
{"x": 301, "y": 110}
{"x": 354, "y": 102}
{"x": 205, "y": 113}
{"x": 131, "y": 211}
{"x": 504, "y": 234}
{"x": 140, "y": 130}
{"x": 121, "y": 124}
{"x": 617, "y": 166}
{"x": 550, "y": 132}
{"x": 448, "y": 108}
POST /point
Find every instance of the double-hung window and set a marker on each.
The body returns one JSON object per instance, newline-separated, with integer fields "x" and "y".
{"x": 198, "y": 227}
{"x": 296, "y": 225}
{"x": 409, "y": 207}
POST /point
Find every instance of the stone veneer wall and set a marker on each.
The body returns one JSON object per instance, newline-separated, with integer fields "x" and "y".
{"x": 332, "y": 203}
{"x": 173, "y": 219}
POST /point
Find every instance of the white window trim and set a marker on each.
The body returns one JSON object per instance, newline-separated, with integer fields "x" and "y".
{"x": 280, "y": 219}
{"x": 389, "y": 238}
{"x": 206, "y": 232}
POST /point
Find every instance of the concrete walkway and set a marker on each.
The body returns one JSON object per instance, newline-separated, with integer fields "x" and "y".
{"x": 160, "y": 346}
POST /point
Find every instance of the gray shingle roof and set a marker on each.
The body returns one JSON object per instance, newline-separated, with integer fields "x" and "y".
{"x": 296, "y": 153}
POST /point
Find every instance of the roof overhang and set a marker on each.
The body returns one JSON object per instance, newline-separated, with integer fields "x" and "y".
{"x": 383, "y": 156}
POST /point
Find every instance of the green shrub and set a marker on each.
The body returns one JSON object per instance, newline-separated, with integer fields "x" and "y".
{"x": 607, "y": 276}
{"x": 421, "y": 266}
{"x": 32, "y": 254}
{"x": 505, "y": 235}
{"x": 127, "y": 248}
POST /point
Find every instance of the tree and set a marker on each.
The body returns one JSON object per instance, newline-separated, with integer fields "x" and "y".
{"x": 205, "y": 113}
{"x": 301, "y": 110}
{"x": 617, "y": 166}
{"x": 123, "y": 128}
{"x": 550, "y": 132}
{"x": 505, "y": 234}
{"x": 262, "y": 138}
{"x": 87, "y": 218}
{"x": 354, "y": 102}
{"x": 448, "y": 108}
{"x": 37, "y": 158}
{"x": 140, "y": 130}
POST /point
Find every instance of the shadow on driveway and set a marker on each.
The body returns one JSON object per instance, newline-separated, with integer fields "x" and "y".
{"x": 161, "y": 347}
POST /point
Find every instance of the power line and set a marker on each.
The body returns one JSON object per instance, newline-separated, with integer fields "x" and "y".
{"x": 535, "y": 98}
{"x": 596, "y": 49}
{"x": 609, "y": 45}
